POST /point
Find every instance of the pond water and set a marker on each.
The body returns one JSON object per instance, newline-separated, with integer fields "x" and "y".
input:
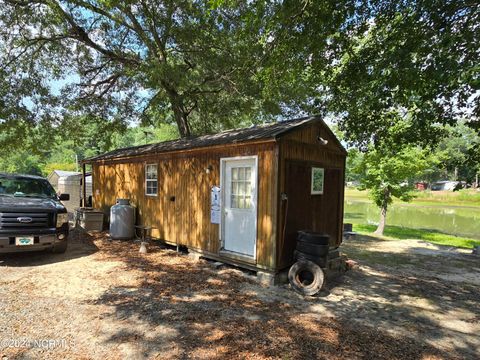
{"x": 453, "y": 220}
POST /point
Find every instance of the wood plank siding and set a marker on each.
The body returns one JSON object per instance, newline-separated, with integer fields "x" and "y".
{"x": 299, "y": 150}
{"x": 181, "y": 210}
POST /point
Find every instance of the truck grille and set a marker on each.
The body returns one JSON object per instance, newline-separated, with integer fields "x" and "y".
{"x": 25, "y": 220}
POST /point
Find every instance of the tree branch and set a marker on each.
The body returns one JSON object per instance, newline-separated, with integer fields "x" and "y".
{"x": 103, "y": 12}
{"x": 153, "y": 29}
{"x": 109, "y": 82}
{"x": 150, "y": 102}
{"x": 78, "y": 33}
{"x": 137, "y": 27}
{"x": 193, "y": 107}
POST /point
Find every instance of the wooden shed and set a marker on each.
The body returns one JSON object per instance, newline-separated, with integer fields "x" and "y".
{"x": 238, "y": 196}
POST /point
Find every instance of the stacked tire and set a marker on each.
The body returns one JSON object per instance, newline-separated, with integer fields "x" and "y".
{"x": 311, "y": 253}
{"x": 312, "y": 246}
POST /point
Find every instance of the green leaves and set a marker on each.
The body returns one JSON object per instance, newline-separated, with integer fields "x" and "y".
{"x": 184, "y": 61}
{"x": 385, "y": 70}
{"x": 372, "y": 66}
{"x": 458, "y": 153}
{"x": 389, "y": 172}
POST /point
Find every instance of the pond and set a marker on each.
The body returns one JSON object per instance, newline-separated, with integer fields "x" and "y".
{"x": 454, "y": 220}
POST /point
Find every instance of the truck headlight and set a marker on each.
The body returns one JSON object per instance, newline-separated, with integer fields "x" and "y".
{"x": 62, "y": 219}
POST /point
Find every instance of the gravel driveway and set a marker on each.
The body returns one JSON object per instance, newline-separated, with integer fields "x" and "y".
{"x": 102, "y": 299}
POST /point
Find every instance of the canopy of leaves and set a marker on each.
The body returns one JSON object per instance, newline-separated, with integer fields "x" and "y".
{"x": 353, "y": 165}
{"x": 82, "y": 137}
{"x": 182, "y": 62}
{"x": 208, "y": 65}
{"x": 386, "y": 173}
{"x": 455, "y": 152}
{"x": 408, "y": 64}
{"x": 451, "y": 159}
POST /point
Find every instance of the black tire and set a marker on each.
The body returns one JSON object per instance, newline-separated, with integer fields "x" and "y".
{"x": 319, "y": 260}
{"x": 312, "y": 249}
{"x": 306, "y": 277}
{"x": 60, "y": 247}
{"x": 313, "y": 238}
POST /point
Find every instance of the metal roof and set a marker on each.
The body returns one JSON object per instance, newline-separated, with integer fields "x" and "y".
{"x": 259, "y": 132}
{"x": 62, "y": 173}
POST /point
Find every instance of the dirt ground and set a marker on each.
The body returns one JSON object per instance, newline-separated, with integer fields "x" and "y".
{"x": 102, "y": 299}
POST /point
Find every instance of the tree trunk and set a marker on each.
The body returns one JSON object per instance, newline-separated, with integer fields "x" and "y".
{"x": 181, "y": 118}
{"x": 179, "y": 112}
{"x": 383, "y": 212}
{"x": 382, "y": 222}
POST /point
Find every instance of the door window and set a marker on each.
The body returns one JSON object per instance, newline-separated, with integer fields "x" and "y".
{"x": 241, "y": 188}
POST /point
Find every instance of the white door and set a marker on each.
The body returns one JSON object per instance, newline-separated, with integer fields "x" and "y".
{"x": 239, "y": 188}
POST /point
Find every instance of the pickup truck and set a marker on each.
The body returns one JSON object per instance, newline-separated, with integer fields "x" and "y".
{"x": 32, "y": 218}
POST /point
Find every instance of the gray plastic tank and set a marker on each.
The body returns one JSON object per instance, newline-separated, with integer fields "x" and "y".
{"x": 122, "y": 220}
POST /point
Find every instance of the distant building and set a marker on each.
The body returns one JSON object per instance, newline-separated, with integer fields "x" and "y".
{"x": 446, "y": 186}
{"x": 70, "y": 182}
{"x": 354, "y": 183}
{"x": 421, "y": 185}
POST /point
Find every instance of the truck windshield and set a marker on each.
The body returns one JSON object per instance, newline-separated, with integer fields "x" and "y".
{"x": 25, "y": 187}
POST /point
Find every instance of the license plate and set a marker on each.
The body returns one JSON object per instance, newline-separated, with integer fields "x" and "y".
{"x": 24, "y": 240}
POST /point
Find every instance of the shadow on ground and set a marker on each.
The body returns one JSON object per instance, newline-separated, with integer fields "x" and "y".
{"x": 412, "y": 286}
{"x": 80, "y": 244}
{"x": 184, "y": 309}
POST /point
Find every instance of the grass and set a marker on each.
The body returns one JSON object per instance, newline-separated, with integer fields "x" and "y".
{"x": 466, "y": 197}
{"x": 432, "y": 236}
{"x": 463, "y": 197}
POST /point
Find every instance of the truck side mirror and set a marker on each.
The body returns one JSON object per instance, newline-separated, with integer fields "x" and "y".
{"x": 64, "y": 197}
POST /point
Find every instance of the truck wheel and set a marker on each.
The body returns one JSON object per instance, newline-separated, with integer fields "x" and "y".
{"x": 306, "y": 277}
{"x": 60, "y": 248}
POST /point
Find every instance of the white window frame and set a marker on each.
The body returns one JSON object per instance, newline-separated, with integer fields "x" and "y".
{"x": 317, "y": 192}
{"x": 150, "y": 180}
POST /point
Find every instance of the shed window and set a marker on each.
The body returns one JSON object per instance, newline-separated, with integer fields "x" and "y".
{"x": 151, "y": 179}
{"x": 241, "y": 188}
{"x": 318, "y": 175}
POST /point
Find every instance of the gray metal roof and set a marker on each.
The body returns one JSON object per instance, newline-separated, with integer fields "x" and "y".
{"x": 259, "y": 132}
{"x": 62, "y": 173}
